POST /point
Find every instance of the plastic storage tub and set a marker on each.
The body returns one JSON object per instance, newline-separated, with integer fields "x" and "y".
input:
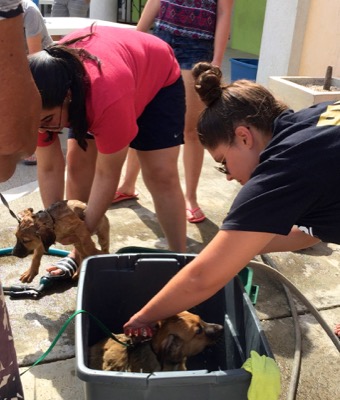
{"x": 243, "y": 68}
{"x": 246, "y": 274}
{"x": 113, "y": 287}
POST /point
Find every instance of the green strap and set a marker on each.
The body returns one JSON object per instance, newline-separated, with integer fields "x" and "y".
{"x": 100, "y": 324}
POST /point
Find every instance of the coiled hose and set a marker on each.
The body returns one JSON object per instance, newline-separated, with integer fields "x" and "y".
{"x": 296, "y": 366}
{"x": 270, "y": 267}
{"x": 280, "y": 277}
{"x": 7, "y": 251}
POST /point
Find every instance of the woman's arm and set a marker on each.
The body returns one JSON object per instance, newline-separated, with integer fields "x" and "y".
{"x": 20, "y": 102}
{"x": 34, "y": 43}
{"x": 296, "y": 240}
{"x": 213, "y": 268}
{"x": 222, "y": 30}
{"x": 51, "y": 170}
{"x": 148, "y": 16}
{"x": 216, "y": 265}
{"x": 104, "y": 186}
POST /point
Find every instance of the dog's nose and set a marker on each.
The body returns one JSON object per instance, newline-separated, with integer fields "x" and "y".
{"x": 214, "y": 331}
{"x": 20, "y": 251}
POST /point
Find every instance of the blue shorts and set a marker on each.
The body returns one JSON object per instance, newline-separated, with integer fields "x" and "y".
{"x": 161, "y": 124}
{"x": 187, "y": 51}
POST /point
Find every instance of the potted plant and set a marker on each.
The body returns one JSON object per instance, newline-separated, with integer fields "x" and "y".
{"x": 303, "y": 91}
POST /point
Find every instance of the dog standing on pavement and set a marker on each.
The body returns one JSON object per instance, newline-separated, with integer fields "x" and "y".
{"x": 38, "y": 231}
{"x": 174, "y": 340}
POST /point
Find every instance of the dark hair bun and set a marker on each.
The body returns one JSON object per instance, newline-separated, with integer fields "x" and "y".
{"x": 207, "y": 82}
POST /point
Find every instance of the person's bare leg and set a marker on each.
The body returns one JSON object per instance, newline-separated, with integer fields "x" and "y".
{"x": 193, "y": 151}
{"x": 132, "y": 168}
{"x": 160, "y": 174}
{"x": 80, "y": 173}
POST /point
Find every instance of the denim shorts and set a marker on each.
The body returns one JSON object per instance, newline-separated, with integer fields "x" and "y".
{"x": 187, "y": 51}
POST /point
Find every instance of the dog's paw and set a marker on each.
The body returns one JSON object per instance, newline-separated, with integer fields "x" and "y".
{"x": 27, "y": 276}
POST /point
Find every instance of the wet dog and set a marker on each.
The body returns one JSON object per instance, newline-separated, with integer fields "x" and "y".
{"x": 38, "y": 231}
{"x": 174, "y": 340}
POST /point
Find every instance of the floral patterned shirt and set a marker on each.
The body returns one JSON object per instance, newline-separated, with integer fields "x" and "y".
{"x": 195, "y": 19}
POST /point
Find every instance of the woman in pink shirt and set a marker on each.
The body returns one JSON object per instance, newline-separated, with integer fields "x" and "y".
{"x": 114, "y": 88}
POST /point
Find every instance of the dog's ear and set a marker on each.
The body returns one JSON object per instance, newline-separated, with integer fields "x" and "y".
{"x": 170, "y": 350}
{"x": 157, "y": 326}
{"x": 47, "y": 236}
{"x": 26, "y": 212}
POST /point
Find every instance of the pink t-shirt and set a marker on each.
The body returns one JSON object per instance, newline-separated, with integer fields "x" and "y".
{"x": 135, "y": 66}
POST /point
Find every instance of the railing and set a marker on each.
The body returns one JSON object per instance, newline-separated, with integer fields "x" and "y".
{"x": 45, "y": 6}
{"x": 129, "y": 11}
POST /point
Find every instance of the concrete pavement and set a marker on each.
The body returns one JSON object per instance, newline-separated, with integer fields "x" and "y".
{"x": 35, "y": 323}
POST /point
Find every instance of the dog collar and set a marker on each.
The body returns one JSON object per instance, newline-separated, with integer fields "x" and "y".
{"x": 49, "y": 215}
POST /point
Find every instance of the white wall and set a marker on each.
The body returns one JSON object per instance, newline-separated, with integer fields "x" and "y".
{"x": 282, "y": 38}
{"x": 322, "y": 39}
{"x": 300, "y": 37}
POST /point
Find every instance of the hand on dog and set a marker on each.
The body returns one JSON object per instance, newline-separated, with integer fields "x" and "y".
{"x": 136, "y": 327}
{"x": 145, "y": 332}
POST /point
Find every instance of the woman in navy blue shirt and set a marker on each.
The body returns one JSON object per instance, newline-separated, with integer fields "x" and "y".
{"x": 288, "y": 164}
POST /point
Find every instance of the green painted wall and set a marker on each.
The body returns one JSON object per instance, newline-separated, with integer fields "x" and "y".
{"x": 137, "y": 8}
{"x": 247, "y": 25}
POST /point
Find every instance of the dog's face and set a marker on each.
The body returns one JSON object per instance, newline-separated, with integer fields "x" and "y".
{"x": 184, "y": 335}
{"x": 33, "y": 231}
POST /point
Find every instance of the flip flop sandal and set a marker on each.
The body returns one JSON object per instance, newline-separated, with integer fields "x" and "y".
{"x": 193, "y": 219}
{"x": 69, "y": 267}
{"x": 32, "y": 160}
{"x": 123, "y": 196}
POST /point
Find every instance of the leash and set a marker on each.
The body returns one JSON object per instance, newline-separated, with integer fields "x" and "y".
{"x": 99, "y": 323}
{"x": 4, "y": 201}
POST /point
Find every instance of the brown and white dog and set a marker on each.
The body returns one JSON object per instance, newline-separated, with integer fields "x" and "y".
{"x": 38, "y": 231}
{"x": 175, "y": 339}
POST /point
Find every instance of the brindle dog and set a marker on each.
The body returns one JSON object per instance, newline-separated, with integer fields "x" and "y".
{"x": 38, "y": 231}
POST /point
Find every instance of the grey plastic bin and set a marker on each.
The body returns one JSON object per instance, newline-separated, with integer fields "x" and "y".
{"x": 113, "y": 287}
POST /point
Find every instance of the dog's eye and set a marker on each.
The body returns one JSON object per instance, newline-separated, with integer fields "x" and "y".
{"x": 199, "y": 330}
{"x": 26, "y": 240}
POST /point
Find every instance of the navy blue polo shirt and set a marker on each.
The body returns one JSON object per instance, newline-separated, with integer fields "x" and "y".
{"x": 297, "y": 181}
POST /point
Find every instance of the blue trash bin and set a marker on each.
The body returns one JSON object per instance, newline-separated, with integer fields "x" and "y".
{"x": 243, "y": 68}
